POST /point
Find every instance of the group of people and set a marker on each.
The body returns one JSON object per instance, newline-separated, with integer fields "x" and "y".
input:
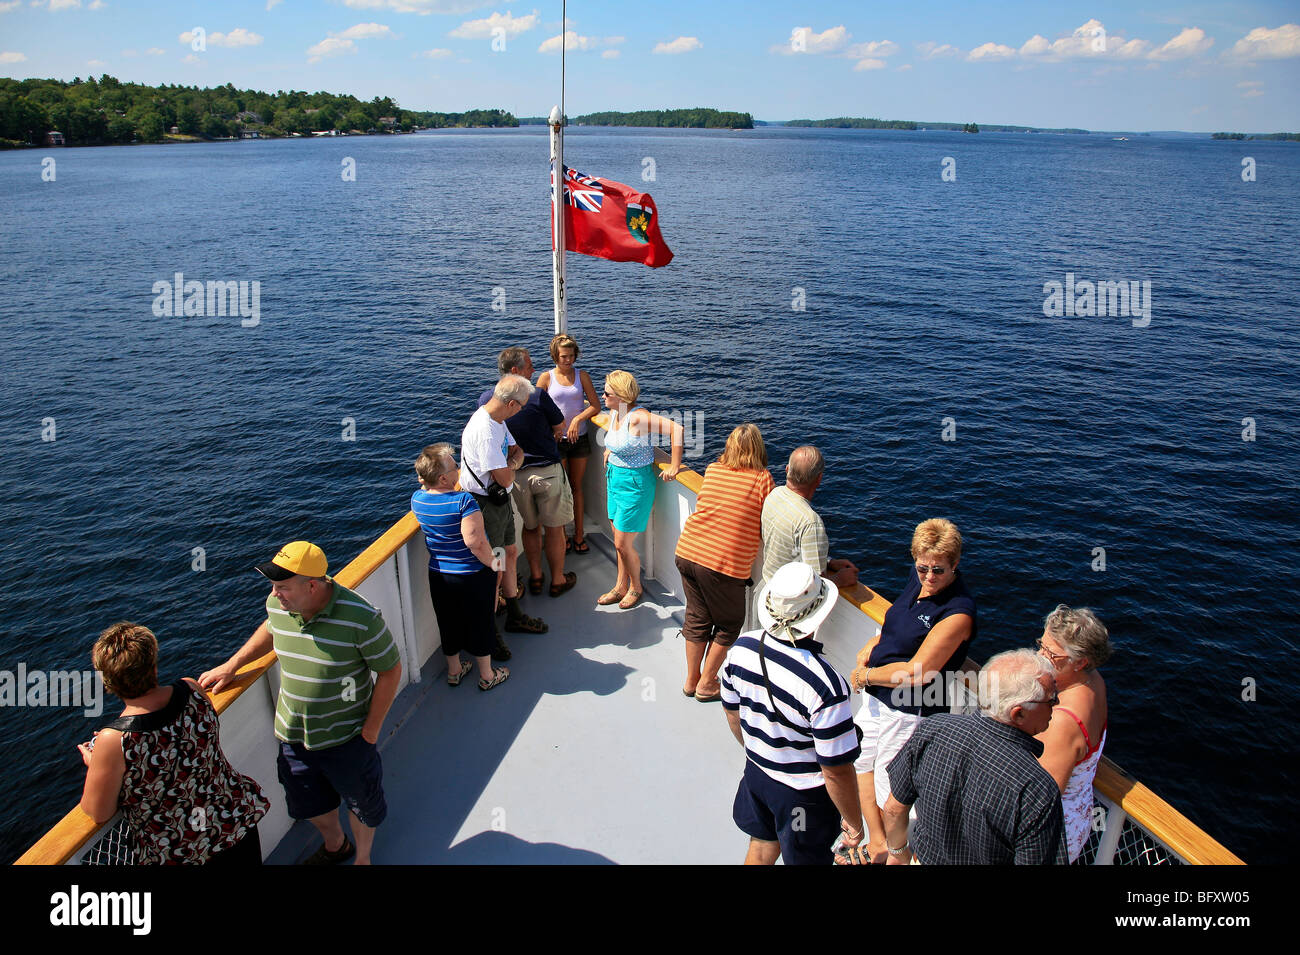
{"x": 1010, "y": 784}
{"x": 904, "y": 780}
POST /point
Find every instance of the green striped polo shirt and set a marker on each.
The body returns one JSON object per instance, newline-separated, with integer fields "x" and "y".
{"x": 325, "y": 666}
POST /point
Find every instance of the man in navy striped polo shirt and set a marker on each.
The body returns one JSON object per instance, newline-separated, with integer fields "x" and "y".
{"x": 789, "y": 708}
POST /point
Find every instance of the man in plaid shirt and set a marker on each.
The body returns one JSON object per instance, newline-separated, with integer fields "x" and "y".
{"x": 981, "y": 796}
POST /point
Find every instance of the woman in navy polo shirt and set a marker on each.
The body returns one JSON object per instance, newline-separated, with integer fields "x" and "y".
{"x": 905, "y": 673}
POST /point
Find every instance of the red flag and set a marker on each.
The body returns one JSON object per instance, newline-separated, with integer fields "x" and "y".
{"x": 610, "y": 221}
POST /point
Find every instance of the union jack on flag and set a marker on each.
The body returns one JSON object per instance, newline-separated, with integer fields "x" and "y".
{"x": 582, "y": 192}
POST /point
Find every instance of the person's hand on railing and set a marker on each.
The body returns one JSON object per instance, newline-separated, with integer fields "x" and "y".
{"x": 218, "y": 677}
{"x": 669, "y": 472}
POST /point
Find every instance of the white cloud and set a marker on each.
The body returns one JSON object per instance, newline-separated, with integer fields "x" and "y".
{"x": 990, "y": 51}
{"x": 869, "y": 64}
{"x": 97, "y": 5}
{"x": 56, "y": 5}
{"x": 191, "y": 58}
{"x": 1262, "y": 43}
{"x": 1245, "y": 84}
{"x": 436, "y": 54}
{"x": 570, "y": 41}
{"x": 609, "y": 55}
{"x": 155, "y": 51}
{"x": 11, "y": 5}
{"x": 364, "y": 31}
{"x": 236, "y": 37}
{"x": 94, "y": 63}
{"x": 873, "y": 48}
{"x": 803, "y": 40}
{"x": 345, "y": 42}
{"x": 1129, "y": 50}
{"x": 422, "y": 7}
{"x": 683, "y": 44}
{"x": 330, "y": 46}
{"x": 1250, "y": 94}
{"x": 511, "y": 24}
{"x": 931, "y": 50}
{"x": 10, "y": 57}
{"x": 1188, "y": 43}
{"x": 904, "y": 68}
{"x": 272, "y": 4}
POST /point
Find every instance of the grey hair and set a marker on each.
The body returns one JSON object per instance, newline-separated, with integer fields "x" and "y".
{"x": 805, "y": 466}
{"x": 1009, "y": 680}
{"x": 513, "y": 388}
{"x": 513, "y": 357}
{"x": 1080, "y": 633}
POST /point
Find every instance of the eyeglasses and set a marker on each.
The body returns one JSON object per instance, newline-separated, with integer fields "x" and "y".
{"x": 922, "y": 570}
{"x": 1056, "y": 658}
{"x": 1050, "y": 701}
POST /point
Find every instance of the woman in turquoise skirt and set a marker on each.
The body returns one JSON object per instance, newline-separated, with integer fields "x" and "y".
{"x": 630, "y": 477}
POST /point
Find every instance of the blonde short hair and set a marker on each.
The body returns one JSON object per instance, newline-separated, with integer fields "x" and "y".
{"x": 939, "y": 536}
{"x": 622, "y": 385}
{"x": 433, "y": 462}
{"x": 563, "y": 341}
{"x": 745, "y": 450}
{"x": 126, "y": 654}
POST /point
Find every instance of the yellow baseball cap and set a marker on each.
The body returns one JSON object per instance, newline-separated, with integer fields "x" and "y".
{"x": 299, "y": 557}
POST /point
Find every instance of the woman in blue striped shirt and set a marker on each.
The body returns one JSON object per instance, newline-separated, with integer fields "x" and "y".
{"x": 462, "y": 578}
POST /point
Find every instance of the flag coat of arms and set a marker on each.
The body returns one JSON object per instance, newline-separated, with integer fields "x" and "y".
{"x": 610, "y": 221}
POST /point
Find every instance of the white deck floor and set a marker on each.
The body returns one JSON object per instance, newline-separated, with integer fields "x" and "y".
{"x": 588, "y": 754}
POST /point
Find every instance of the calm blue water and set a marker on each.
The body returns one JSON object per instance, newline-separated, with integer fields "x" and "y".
{"x": 923, "y": 302}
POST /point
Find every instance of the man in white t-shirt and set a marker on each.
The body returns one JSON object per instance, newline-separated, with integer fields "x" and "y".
{"x": 489, "y": 456}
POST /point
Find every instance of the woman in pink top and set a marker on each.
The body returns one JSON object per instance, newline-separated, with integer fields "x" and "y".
{"x": 575, "y": 395}
{"x": 1076, "y": 643}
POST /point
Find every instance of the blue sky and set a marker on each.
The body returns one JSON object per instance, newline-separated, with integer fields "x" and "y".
{"x": 1108, "y": 66}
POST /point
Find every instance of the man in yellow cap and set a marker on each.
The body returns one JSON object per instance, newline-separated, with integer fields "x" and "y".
{"x": 328, "y": 716}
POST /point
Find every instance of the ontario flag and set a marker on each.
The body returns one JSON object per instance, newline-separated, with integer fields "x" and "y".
{"x": 610, "y": 221}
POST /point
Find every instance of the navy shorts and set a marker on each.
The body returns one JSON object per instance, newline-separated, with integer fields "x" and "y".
{"x": 804, "y": 821}
{"x": 315, "y": 781}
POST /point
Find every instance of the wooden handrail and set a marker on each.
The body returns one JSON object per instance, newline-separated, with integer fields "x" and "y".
{"x": 74, "y": 830}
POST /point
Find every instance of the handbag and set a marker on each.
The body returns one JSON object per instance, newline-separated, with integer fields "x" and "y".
{"x": 494, "y": 492}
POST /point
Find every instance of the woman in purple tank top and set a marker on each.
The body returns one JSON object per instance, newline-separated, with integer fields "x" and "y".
{"x": 576, "y": 396}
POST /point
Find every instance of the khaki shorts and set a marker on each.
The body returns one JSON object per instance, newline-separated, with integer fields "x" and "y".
{"x": 543, "y": 496}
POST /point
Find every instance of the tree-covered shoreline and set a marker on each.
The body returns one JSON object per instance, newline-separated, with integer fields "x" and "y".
{"x": 1282, "y": 137}
{"x": 700, "y": 117}
{"x": 95, "y": 112}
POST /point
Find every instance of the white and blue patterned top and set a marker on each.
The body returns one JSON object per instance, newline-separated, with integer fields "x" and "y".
{"x": 627, "y": 450}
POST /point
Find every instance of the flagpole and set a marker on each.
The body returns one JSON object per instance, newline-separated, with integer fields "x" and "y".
{"x": 557, "y": 207}
{"x": 557, "y": 187}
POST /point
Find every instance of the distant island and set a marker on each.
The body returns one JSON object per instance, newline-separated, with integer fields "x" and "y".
{"x": 1284, "y": 137}
{"x": 857, "y": 122}
{"x": 698, "y": 118}
{"x": 100, "y": 112}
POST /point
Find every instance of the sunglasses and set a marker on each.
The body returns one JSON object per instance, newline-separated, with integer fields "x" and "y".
{"x": 922, "y": 570}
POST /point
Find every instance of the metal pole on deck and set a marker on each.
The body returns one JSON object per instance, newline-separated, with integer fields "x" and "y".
{"x": 557, "y": 212}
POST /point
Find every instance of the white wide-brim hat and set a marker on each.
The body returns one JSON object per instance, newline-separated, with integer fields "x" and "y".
{"x": 795, "y": 602}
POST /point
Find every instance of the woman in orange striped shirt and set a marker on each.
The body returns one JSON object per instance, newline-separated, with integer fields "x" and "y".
{"x": 715, "y": 554}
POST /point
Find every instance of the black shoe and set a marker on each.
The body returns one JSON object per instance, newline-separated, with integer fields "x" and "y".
{"x": 501, "y": 652}
{"x": 323, "y": 856}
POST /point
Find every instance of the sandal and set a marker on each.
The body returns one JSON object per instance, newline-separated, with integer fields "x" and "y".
{"x": 570, "y": 581}
{"x": 535, "y": 586}
{"x": 629, "y": 600}
{"x": 713, "y": 697}
{"x": 568, "y": 545}
{"x": 525, "y": 624}
{"x": 453, "y": 679}
{"x": 612, "y": 597}
{"x": 499, "y": 676}
{"x": 580, "y": 546}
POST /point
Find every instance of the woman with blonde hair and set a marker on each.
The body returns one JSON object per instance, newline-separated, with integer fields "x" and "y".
{"x": 715, "y": 553}
{"x": 905, "y": 672}
{"x": 1075, "y": 642}
{"x": 575, "y": 395}
{"x": 161, "y": 763}
{"x": 630, "y": 477}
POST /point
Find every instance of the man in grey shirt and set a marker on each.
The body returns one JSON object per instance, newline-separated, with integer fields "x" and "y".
{"x": 792, "y": 530}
